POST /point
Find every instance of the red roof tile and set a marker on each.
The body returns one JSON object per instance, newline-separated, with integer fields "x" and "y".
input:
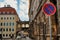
{"x": 7, "y": 10}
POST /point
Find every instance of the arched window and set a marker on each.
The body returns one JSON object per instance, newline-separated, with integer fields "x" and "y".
{"x": 9, "y": 29}
{"x": 23, "y": 25}
{"x": 13, "y": 18}
{"x": 6, "y": 29}
{"x": 27, "y": 25}
{"x": 1, "y": 24}
{"x": 7, "y": 24}
{"x": 13, "y": 23}
{"x": 4, "y": 23}
{"x": 10, "y": 18}
{"x": 10, "y": 23}
{"x": 12, "y": 29}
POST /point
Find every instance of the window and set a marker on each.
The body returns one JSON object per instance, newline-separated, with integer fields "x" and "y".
{"x": 1, "y": 24}
{"x": 12, "y": 24}
{"x": 27, "y": 25}
{"x": 7, "y": 18}
{"x": 3, "y": 12}
{"x": 1, "y": 18}
{"x": 12, "y": 12}
{"x": 6, "y": 35}
{"x": 9, "y": 34}
{"x": 7, "y": 12}
{"x": 3, "y": 34}
{"x": 13, "y": 29}
{"x": 6, "y": 24}
{"x": 3, "y": 29}
{"x": 22, "y": 25}
{"x": 0, "y": 29}
{"x": 0, "y": 12}
{"x": 10, "y": 18}
{"x": 13, "y": 18}
{"x": 9, "y": 29}
{"x": 6, "y": 29}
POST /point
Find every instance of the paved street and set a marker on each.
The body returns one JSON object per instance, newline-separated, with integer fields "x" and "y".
{"x": 27, "y": 38}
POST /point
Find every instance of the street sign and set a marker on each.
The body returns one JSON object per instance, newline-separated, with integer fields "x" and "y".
{"x": 49, "y": 9}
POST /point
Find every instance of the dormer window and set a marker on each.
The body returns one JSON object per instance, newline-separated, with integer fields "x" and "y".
{"x": 12, "y": 12}
{"x": 23, "y": 25}
{"x": 0, "y": 12}
{"x": 3, "y": 12}
{"x": 7, "y": 12}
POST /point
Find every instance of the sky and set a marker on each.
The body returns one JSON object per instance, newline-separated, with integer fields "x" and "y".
{"x": 21, "y": 7}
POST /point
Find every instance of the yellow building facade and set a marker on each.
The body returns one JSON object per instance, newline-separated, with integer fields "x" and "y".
{"x": 8, "y": 22}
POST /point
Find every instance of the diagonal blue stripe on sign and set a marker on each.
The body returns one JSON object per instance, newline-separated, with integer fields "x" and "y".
{"x": 46, "y": 10}
{"x": 51, "y": 7}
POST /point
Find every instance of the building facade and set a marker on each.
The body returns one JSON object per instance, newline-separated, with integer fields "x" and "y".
{"x": 23, "y": 26}
{"x": 8, "y": 22}
{"x": 39, "y": 22}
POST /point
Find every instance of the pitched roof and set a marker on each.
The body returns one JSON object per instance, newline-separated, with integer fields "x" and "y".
{"x": 7, "y": 10}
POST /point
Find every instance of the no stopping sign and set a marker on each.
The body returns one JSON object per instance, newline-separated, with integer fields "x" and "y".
{"x": 49, "y": 9}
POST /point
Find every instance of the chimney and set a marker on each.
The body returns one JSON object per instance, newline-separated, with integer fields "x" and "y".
{"x": 8, "y": 5}
{"x": 4, "y": 5}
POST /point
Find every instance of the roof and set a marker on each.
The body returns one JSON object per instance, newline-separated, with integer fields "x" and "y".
{"x": 7, "y": 10}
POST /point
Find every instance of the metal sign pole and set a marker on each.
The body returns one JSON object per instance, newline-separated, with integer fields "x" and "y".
{"x": 50, "y": 28}
{"x": 49, "y": 9}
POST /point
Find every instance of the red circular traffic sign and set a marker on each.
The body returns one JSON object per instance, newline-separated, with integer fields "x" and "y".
{"x": 49, "y": 9}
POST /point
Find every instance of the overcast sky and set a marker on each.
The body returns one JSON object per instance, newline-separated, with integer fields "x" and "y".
{"x": 21, "y": 7}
